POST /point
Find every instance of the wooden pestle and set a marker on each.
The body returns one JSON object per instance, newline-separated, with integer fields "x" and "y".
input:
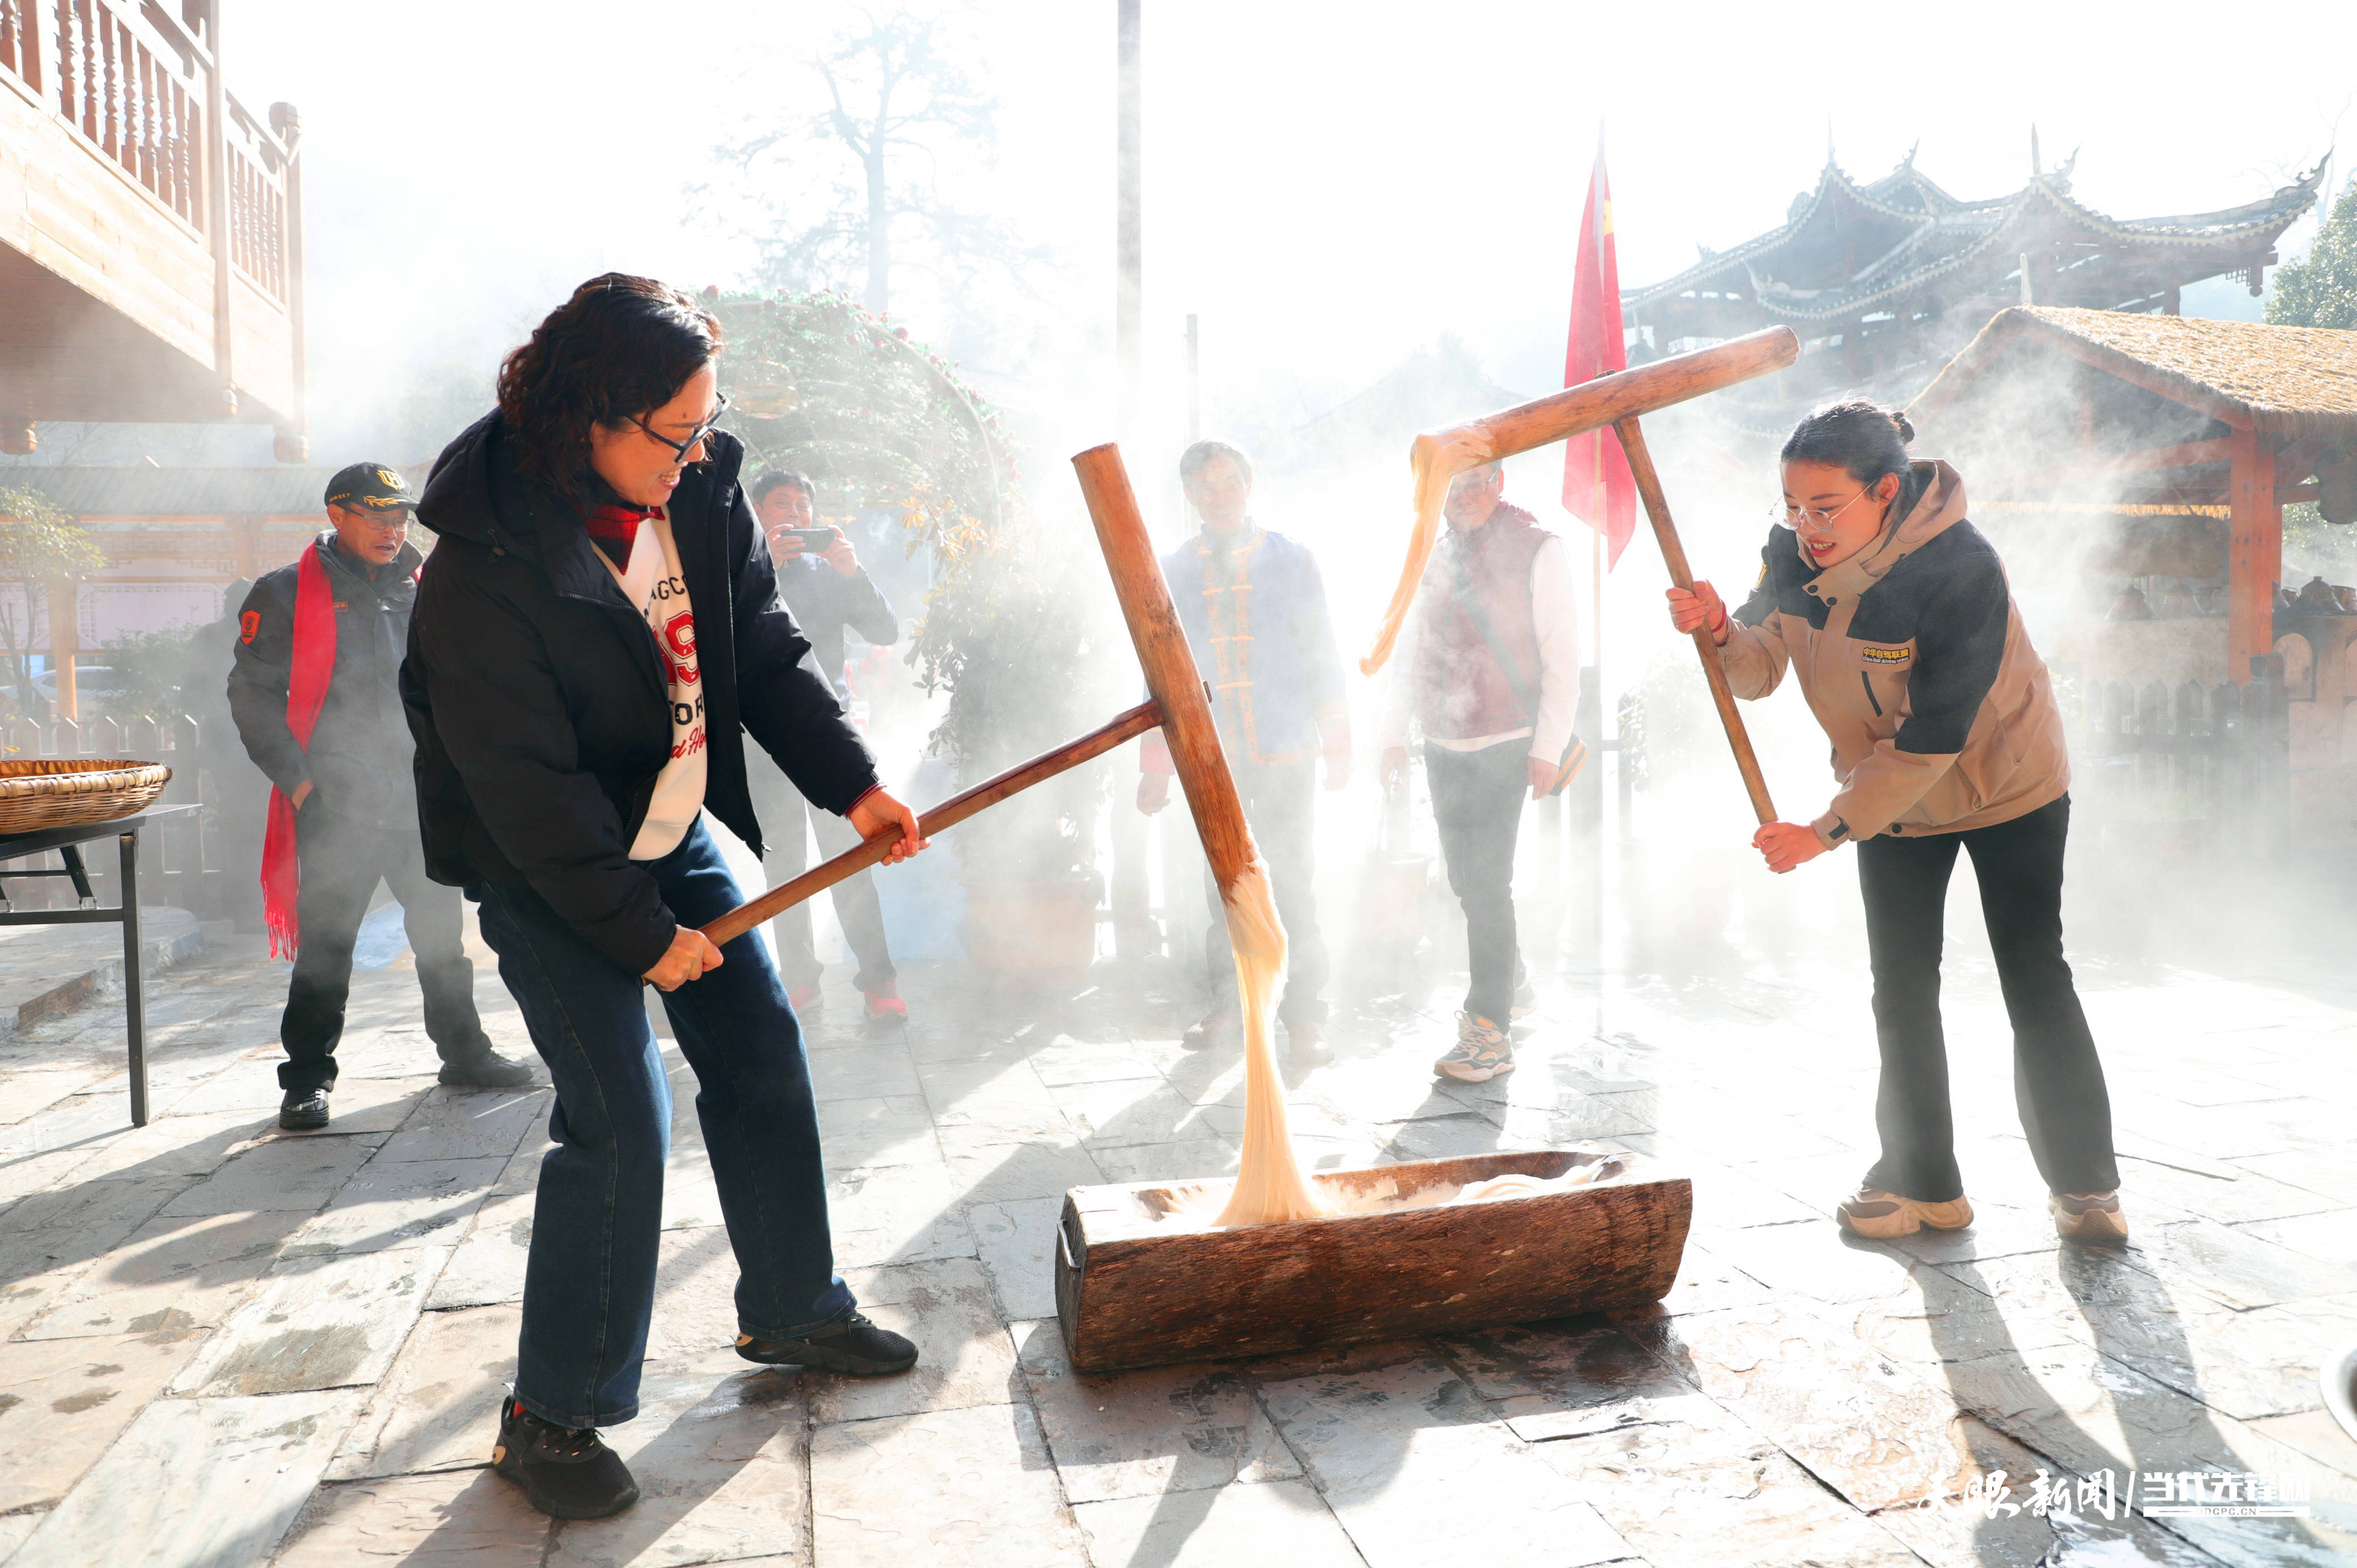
{"x": 1437, "y": 455}
{"x": 1187, "y": 723}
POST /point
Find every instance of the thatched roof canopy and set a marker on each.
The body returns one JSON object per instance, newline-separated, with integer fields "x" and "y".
{"x": 2280, "y": 380}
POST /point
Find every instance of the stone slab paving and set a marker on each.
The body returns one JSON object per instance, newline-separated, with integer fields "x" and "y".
{"x": 224, "y": 1345}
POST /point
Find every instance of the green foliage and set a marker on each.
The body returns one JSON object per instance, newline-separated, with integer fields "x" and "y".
{"x": 38, "y": 543}
{"x": 820, "y": 384}
{"x": 2321, "y": 288}
{"x": 2313, "y": 547}
{"x": 149, "y": 670}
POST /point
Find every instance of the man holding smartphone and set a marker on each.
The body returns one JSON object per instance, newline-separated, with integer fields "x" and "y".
{"x": 822, "y": 582}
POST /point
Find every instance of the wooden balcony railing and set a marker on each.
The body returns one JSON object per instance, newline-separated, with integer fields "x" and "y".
{"x": 134, "y": 84}
{"x": 138, "y": 85}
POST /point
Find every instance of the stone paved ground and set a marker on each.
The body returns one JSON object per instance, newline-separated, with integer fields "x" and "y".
{"x": 224, "y": 1345}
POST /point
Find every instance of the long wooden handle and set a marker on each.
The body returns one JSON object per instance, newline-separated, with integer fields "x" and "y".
{"x": 1437, "y": 457}
{"x": 947, "y": 815}
{"x": 1187, "y": 723}
{"x": 1657, "y": 508}
{"x": 1624, "y": 395}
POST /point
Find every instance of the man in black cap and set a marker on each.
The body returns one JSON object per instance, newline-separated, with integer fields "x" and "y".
{"x": 315, "y": 690}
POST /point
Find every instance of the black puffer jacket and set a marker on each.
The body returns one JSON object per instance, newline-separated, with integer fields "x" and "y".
{"x": 359, "y": 759}
{"x": 536, "y": 692}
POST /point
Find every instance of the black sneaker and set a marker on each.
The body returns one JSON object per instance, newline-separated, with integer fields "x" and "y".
{"x": 854, "y": 1345}
{"x": 304, "y": 1110}
{"x": 483, "y": 1068}
{"x": 565, "y": 1474}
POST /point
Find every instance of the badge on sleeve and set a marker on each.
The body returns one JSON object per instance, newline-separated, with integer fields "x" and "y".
{"x": 249, "y": 625}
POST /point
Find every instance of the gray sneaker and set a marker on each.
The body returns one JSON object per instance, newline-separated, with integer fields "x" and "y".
{"x": 1482, "y": 1053}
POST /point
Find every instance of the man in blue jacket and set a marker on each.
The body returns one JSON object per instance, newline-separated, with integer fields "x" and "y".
{"x": 1254, "y": 609}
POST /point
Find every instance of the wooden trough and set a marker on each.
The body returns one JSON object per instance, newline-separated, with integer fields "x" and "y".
{"x": 1136, "y": 1285}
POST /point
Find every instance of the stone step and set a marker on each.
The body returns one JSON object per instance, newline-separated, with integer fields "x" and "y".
{"x": 48, "y": 970}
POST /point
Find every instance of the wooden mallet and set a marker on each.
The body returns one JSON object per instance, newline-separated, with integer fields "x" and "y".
{"x": 1133, "y": 1289}
{"x": 1179, "y": 706}
{"x": 1615, "y": 400}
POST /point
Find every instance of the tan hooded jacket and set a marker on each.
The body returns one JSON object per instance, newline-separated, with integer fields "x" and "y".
{"x": 1912, "y": 656}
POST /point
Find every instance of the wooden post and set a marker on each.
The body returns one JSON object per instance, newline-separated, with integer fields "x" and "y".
{"x": 1129, "y": 231}
{"x": 65, "y": 641}
{"x": 1188, "y": 726}
{"x": 2254, "y": 551}
{"x": 293, "y": 442}
{"x": 1127, "y": 892}
{"x": 1722, "y": 696}
{"x": 217, "y": 215}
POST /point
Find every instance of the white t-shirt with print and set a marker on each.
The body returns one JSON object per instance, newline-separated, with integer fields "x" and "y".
{"x": 657, "y": 590}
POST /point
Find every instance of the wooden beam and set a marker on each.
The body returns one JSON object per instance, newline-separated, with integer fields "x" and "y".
{"x": 213, "y": 161}
{"x": 2297, "y": 461}
{"x": 2253, "y": 554}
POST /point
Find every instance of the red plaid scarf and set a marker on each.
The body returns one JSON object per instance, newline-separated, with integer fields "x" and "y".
{"x": 614, "y": 527}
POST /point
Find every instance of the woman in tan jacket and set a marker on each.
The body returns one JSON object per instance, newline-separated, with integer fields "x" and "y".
{"x": 1893, "y": 611}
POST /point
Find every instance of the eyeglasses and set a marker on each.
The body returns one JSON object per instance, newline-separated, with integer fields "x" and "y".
{"x": 394, "y": 520}
{"x": 684, "y": 447}
{"x": 1822, "y": 518}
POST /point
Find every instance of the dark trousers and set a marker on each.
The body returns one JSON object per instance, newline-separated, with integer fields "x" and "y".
{"x": 1477, "y": 804}
{"x": 589, "y": 1283}
{"x": 2057, "y": 1083}
{"x": 341, "y": 861}
{"x": 1281, "y": 804}
{"x": 783, "y": 811}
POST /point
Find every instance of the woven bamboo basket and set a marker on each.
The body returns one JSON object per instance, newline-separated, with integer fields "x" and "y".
{"x": 70, "y": 791}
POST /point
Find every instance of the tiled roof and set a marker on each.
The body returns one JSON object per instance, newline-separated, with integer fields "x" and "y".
{"x": 1945, "y": 235}
{"x": 178, "y": 492}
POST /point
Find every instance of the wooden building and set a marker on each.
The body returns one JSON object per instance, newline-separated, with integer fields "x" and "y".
{"x": 2169, "y": 448}
{"x": 173, "y": 538}
{"x": 151, "y": 248}
{"x": 1885, "y": 280}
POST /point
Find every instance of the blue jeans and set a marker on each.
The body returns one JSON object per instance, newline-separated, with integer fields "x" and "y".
{"x": 589, "y": 1284}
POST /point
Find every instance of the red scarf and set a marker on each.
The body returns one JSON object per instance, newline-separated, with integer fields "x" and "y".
{"x": 615, "y": 529}
{"x": 307, "y": 676}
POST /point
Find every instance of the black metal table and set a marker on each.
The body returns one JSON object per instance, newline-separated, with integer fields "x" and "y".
{"x": 67, "y": 842}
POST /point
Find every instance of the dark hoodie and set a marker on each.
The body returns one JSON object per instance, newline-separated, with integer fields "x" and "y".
{"x": 535, "y": 691}
{"x": 1914, "y": 660}
{"x": 359, "y": 757}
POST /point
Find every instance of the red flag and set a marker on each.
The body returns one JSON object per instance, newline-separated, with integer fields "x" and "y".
{"x": 1597, "y": 486}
